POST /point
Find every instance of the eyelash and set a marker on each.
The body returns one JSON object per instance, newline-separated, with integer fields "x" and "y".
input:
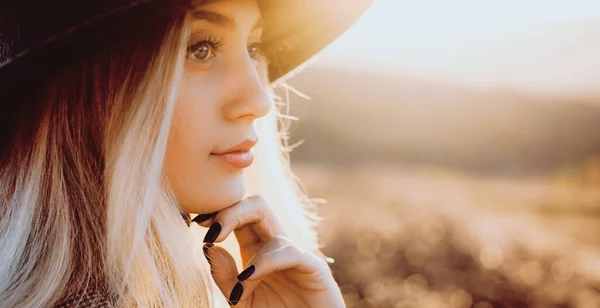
{"x": 215, "y": 44}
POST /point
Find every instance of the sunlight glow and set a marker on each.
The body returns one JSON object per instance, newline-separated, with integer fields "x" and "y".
{"x": 535, "y": 44}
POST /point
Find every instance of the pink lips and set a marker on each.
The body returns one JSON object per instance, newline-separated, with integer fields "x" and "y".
{"x": 239, "y": 160}
{"x": 240, "y": 156}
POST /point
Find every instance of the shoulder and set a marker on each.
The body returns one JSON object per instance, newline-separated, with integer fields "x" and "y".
{"x": 85, "y": 298}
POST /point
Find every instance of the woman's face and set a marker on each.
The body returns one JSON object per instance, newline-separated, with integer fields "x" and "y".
{"x": 220, "y": 97}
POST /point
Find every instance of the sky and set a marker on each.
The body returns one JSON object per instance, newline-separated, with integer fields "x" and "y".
{"x": 529, "y": 45}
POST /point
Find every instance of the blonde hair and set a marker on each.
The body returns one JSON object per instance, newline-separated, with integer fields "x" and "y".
{"x": 84, "y": 203}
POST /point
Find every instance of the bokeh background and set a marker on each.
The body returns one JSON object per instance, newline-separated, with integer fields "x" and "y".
{"x": 457, "y": 146}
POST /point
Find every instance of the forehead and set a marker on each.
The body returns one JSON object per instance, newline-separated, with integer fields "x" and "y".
{"x": 228, "y": 13}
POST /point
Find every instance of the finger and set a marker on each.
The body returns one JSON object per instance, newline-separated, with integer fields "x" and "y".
{"x": 251, "y": 219}
{"x": 204, "y": 220}
{"x": 274, "y": 243}
{"x": 309, "y": 271}
{"x": 222, "y": 267}
{"x": 287, "y": 257}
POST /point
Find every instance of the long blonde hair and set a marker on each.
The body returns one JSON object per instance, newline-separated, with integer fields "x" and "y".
{"x": 83, "y": 200}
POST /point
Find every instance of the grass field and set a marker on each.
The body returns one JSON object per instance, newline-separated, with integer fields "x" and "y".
{"x": 440, "y": 195}
{"x": 409, "y": 236}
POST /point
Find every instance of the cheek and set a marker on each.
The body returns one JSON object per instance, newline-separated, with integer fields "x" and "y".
{"x": 193, "y": 122}
{"x": 199, "y": 184}
{"x": 194, "y": 118}
{"x": 190, "y": 140}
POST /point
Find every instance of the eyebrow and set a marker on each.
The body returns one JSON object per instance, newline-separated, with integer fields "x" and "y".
{"x": 222, "y": 20}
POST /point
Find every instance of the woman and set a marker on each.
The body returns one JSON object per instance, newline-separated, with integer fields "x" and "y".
{"x": 119, "y": 118}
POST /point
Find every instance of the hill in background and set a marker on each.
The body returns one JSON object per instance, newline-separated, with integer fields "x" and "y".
{"x": 356, "y": 117}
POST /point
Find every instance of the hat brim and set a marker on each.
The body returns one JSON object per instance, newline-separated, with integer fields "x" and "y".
{"x": 295, "y": 30}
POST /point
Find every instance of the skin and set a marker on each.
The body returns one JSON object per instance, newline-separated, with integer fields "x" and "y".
{"x": 221, "y": 97}
{"x": 285, "y": 275}
{"x": 218, "y": 103}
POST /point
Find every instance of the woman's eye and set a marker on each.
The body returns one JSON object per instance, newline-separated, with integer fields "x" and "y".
{"x": 203, "y": 51}
{"x": 206, "y": 50}
{"x": 254, "y": 51}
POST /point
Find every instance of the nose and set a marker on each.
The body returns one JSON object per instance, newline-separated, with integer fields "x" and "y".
{"x": 247, "y": 96}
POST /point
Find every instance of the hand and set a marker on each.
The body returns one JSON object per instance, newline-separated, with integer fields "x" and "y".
{"x": 277, "y": 272}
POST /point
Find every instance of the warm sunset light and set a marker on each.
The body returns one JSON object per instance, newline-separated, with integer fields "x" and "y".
{"x": 300, "y": 153}
{"x": 457, "y": 145}
{"x": 533, "y": 45}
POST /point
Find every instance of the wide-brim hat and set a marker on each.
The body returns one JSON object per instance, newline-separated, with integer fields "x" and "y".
{"x": 40, "y": 36}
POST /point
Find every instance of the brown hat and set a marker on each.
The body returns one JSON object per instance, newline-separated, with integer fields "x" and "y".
{"x": 39, "y": 36}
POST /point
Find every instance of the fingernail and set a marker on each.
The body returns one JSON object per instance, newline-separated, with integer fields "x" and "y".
{"x": 236, "y": 294}
{"x": 206, "y": 247}
{"x": 246, "y": 273}
{"x": 202, "y": 218}
{"x": 213, "y": 232}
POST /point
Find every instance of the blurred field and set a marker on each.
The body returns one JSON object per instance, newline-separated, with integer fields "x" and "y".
{"x": 442, "y": 196}
{"x": 417, "y": 237}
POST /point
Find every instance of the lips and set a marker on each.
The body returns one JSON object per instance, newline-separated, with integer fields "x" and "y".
{"x": 240, "y": 156}
{"x": 238, "y": 160}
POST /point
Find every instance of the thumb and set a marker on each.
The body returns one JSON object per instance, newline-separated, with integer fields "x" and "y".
{"x": 222, "y": 267}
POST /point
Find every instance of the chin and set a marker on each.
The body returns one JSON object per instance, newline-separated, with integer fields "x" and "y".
{"x": 216, "y": 197}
